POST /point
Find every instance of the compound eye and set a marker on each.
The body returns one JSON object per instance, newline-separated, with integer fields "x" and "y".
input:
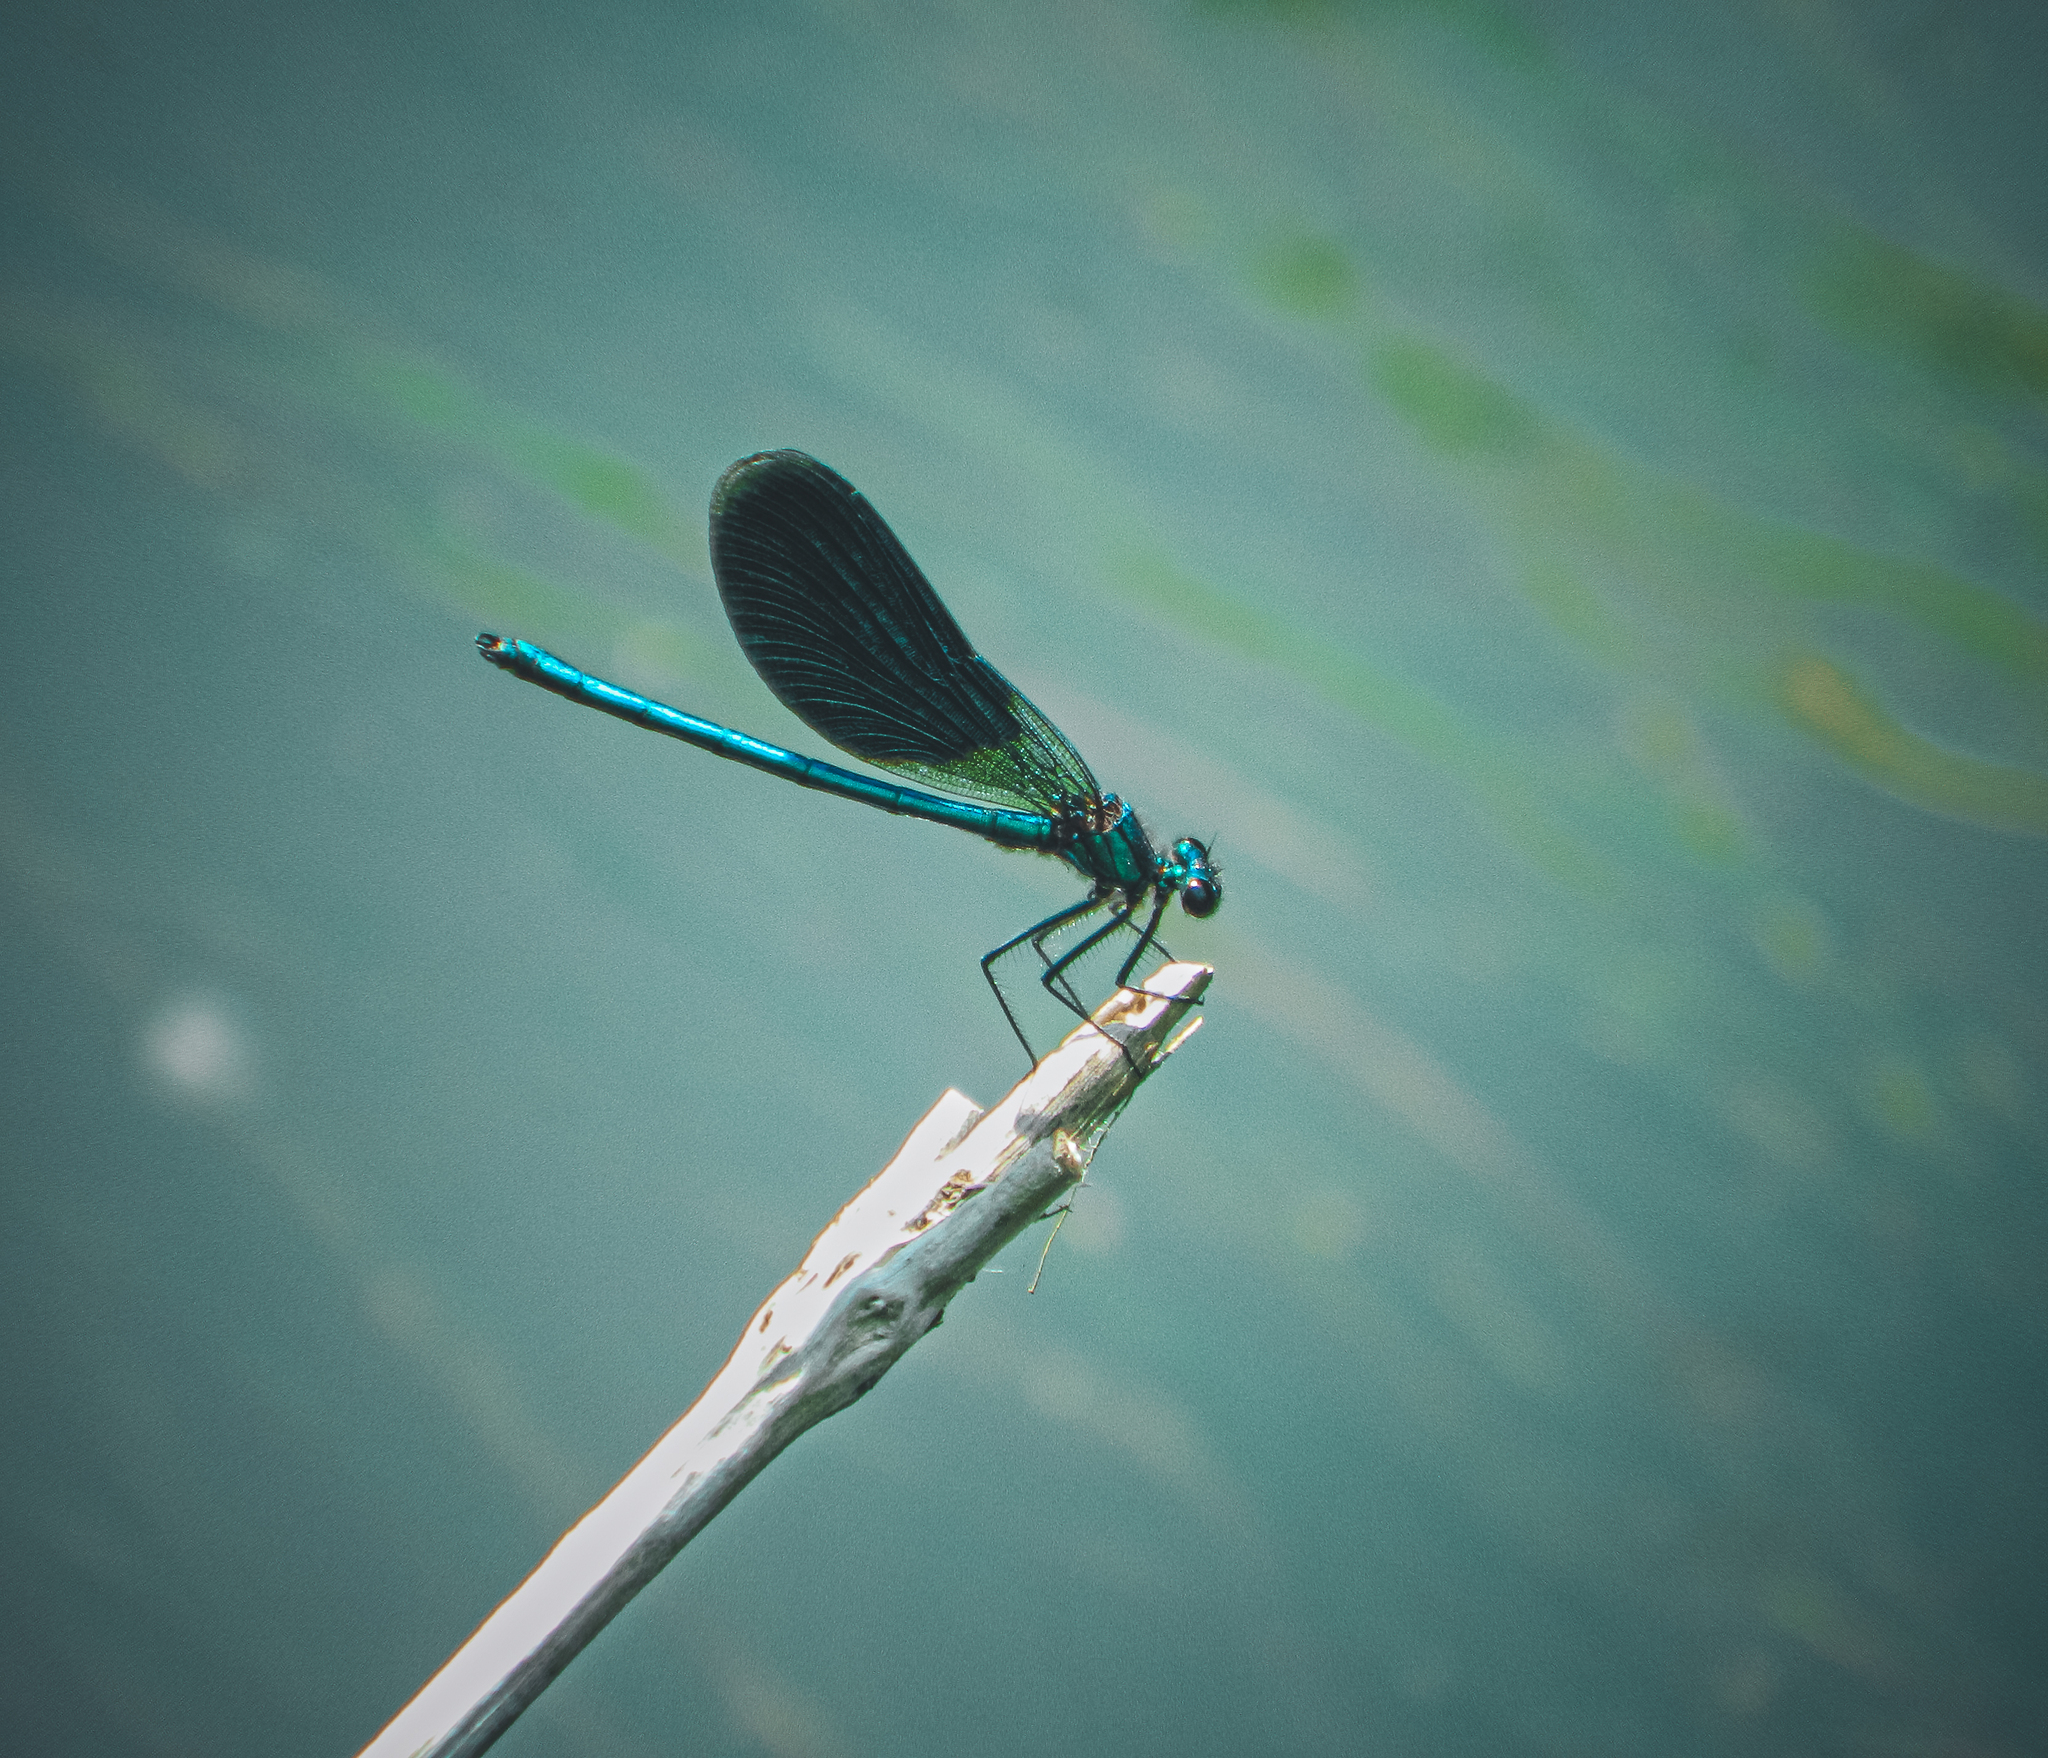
{"x": 1199, "y": 897}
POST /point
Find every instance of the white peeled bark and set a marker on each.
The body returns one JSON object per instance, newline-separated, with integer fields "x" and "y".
{"x": 873, "y": 1282}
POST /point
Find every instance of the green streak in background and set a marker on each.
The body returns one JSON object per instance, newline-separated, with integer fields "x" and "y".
{"x": 511, "y": 596}
{"x": 338, "y": 366}
{"x": 1600, "y": 541}
{"x": 594, "y": 481}
{"x": 1593, "y": 533}
{"x": 1579, "y": 495}
{"x": 122, "y": 382}
{"x": 1413, "y": 716}
{"x": 342, "y": 345}
{"x": 1580, "y": 518}
{"x": 1452, "y": 409}
{"x": 1893, "y": 301}
{"x": 1309, "y": 277}
{"x": 1507, "y": 34}
{"x": 915, "y": 383}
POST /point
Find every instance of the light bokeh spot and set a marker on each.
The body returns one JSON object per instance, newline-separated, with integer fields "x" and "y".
{"x": 195, "y": 1048}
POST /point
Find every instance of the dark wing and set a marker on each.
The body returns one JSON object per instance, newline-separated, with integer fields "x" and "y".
{"x": 832, "y": 612}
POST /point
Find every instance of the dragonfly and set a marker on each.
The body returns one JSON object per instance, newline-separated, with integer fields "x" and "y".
{"x": 842, "y": 626}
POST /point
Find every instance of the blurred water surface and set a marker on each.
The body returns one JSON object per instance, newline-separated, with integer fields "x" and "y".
{"x": 1559, "y": 495}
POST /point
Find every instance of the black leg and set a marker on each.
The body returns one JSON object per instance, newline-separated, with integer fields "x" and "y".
{"x": 1035, "y": 934}
{"x": 1062, "y": 990}
{"x": 1055, "y": 980}
{"x": 1150, "y": 937}
{"x": 1057, "y": 985}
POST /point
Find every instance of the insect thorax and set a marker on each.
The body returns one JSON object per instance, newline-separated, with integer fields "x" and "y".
{"x": 1104, "y": 839}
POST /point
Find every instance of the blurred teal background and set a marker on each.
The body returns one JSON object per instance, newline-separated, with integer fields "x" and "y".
{"x": 1559, "y": 494}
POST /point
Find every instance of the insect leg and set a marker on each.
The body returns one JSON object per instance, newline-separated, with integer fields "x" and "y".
{"x": 1055, "y": 980}
{"x": 1150, "y": 937}
{"x": 1147, "y": 937}
{"x": 1035, "y": 935}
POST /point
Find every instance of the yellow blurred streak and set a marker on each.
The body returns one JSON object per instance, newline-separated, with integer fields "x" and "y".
{"x": 272, "y": 295}
{"x": 1794, "y": 936}
{"x": 403, "y": 1305}
{"x": 1328, "y": 1223}
{"x": 769, "y": 1710}
{"x": 1503, "y": 1328}
{"x": 1666, "y": 744}
{"x": 1572, "y": 511}
{"x": 1822, "y": 699}
{"x": 1152, "y": 1431}
{"x": 131, "y": 397}
{"x": 1785, "y": 1126}
{"x": 1654, "y": 577}
{"x": 1902, "y": 1098}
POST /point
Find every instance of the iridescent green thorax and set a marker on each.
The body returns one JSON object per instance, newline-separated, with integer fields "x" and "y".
{"x": 1108, "y": 844}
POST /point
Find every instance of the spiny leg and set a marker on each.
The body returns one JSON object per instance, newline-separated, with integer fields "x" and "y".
{"x": 1055, "y": 979}
{"x": 1150, "y": 937}
{"x": 1055, "y": 982}
{"x": 1049, "y": 961}
{"x": 1034, "y": 934}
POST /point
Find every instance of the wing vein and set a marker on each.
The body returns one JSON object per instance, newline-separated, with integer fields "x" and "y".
{"x": 840, "y": 623}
